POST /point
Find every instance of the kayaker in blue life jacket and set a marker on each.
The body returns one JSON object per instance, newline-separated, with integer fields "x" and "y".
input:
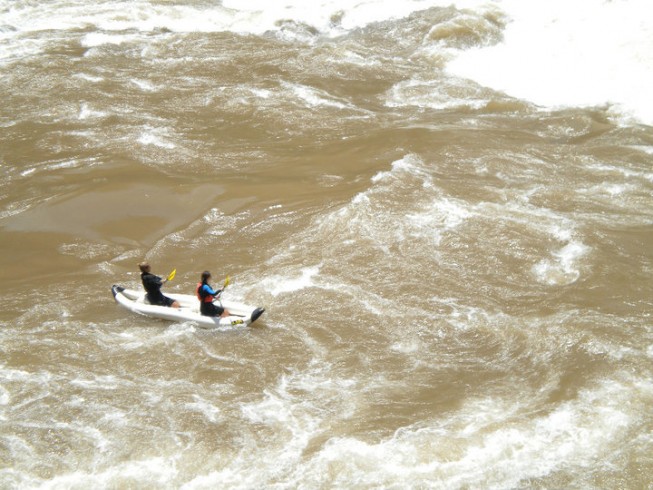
{"x": 207, "y": 295}
{"x": 152, "y": 285}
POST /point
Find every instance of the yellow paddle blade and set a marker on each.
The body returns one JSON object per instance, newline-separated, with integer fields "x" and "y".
{"x": 171, "y": 276}
{"x": 226, "y": 282}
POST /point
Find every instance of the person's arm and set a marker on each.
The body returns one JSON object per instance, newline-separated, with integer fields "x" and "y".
{"x": 210, "y": 291}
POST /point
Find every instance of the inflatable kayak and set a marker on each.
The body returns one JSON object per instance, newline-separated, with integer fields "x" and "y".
{"x": 189, "y": 310}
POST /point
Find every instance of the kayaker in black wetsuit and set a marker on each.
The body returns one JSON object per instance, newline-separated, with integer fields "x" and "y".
{"x": 207, "y": 295}
{"x": 152, "y": 285}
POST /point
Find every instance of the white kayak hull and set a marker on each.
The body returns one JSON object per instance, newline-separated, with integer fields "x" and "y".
{"x": 189, "y": 310}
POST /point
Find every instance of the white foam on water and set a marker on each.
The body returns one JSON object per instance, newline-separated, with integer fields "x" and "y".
{"x": 604, "y": 168}
{"x": 5, "y": 398}
{"x": 401, "y": 204}
{"x": 646, "y": 149}
{"x": 281, "y": 285}
{"x": 563, "y": 231}
{"x": 86, "y": 251}
{"x": 53, "y": 165}
{"x": 206, "y": 408}
{"x": 99, "y": 382}
{"x": 254, "y": 17}
{"x": 145, "y": 472}
{"x": 439, "y": 217}
{"x": 406, "y": 346}
{"x": 95, "y": 39}
{"x": 330, "y": 17}
{"x": 144, "y": 85}
{"x": 410, "y": 163}
{"x": 467, "y": 318}
{"x": 312, "y": 97}
{"x": 616, "y": 351}
{"x": 563, "y": 268}
{"x": 85, "y": 112}
{"x": 89, "y": 78}
{"x": 435, "y": 94}
{"x": 485, "y": 444}
{"x": 584, "y": 53}
{"x": 520, "y": 211}
{"x": 291, "y": 413}
{"x": 29, "y": 25}
{"x": 261, "y": 93}
{"x": 156, "y": 137}
{"x": 366, "y": 216}
{"x": 554, "y": 53}
{"x": 616, "y": 189}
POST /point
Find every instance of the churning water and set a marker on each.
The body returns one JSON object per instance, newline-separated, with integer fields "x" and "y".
{"x": 445, "y": 207}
